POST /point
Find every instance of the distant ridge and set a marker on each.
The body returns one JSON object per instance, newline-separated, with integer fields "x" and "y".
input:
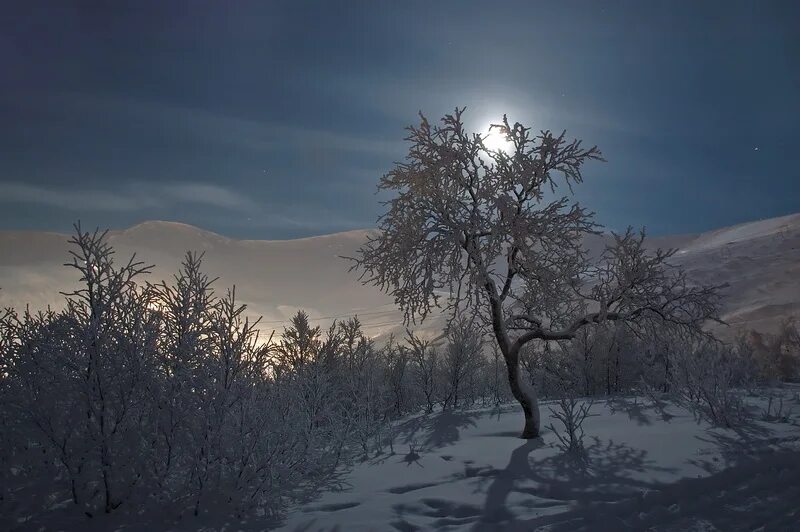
{"x": 760, "y": 261}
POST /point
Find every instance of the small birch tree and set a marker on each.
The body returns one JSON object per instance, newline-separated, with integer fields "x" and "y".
{"x": 474, "y": 223}
{"x": 425, "y": 367}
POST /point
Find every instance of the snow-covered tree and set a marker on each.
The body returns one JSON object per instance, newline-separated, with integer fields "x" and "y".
{"x": 138, "y": 396}
{"x": 462, "y": 361}
{"x": 494, "y": 379}
{"x": 475, "y": 223}
{"x": 300, "y": 343}
{"x": 397, "y": 375}
{"x": 707, "y": 373}
{"x": 425, "y": 368}
{"x": 776, "y": 356}
{"x": 360, "y": 376}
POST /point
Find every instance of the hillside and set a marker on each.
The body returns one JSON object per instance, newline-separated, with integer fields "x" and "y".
{"x": 759, "y": 260}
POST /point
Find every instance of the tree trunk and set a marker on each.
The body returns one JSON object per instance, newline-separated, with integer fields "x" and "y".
{"x": 525, "y": 394}
{"x": 522, "y": 391}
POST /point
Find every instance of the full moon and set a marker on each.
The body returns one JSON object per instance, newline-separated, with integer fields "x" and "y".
{"x": 496, "y": 141}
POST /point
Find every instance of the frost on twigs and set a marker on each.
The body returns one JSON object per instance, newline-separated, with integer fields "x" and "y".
{"x": 707, "y": 379}
{"x": 140, "y": 397}
{"x": 478, "y": 225}
{"x": 571, "y": 412}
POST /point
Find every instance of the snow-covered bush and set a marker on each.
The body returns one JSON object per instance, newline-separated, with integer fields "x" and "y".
{"x": 495, "y": 380}
{"x": 79, "y": 378}
{"x": 571, "y": 412}
{"x": 425, "y": 369}
{"x": 397, "y": 376}
{"x": 707, "y": 376}
{"x": 608, "y": 359}
{"x": 160, "y": 396}
{"x": 462, "y": 361}
{"x": 774, "y": 357}
{"x": 363, "y": 392}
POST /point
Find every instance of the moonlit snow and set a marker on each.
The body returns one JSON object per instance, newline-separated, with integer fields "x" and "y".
{"x": 646, "y": 468}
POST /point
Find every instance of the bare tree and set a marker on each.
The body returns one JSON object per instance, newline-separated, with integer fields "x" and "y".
{"x": 301, "y": 343}
{"x": 363, "y": 390}
{"x": 495, "y": 388}
{"x": 708, "y": 373}
{"x": 474, "y": 223}
{"x": 425, "y": 366}
{"x": 186, "y": 342}
{"x": 571, "y": 412}
{"x": 159, "y": 397}
{"x": 396, "y": 359}
{"x": 463, "y": 358}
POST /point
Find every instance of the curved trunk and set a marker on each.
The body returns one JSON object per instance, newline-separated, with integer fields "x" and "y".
{"x": 525, "y": 394}
{"x": 522, "y": 391}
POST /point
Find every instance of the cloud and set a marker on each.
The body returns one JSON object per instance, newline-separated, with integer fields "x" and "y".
{"x": 399, "y": 99}
{"x": 228, "y": 208}
{"x": 129, "y": 197}
{"x": 221, "y": 129}
{"x": 205, "y": 194}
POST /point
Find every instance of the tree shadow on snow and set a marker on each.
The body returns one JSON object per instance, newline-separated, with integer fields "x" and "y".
{"x": 741, "y": 444}
{"x": 606, "y": 488}
{"x": 641, "y": 410}
{"x": 755, "y": 486}
{"x": 633, "y": 407}
{"x": 437, "y": 430}
{"x": 760, "y": 492}
{"x": 555, "y": 483}
{"x": 599, "y": 475}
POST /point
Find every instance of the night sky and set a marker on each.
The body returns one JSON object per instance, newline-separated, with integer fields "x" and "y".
{"x": 275, "y": 119}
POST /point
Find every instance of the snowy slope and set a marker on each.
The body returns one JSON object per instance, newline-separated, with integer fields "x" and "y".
{"x": 760, "y": 261}
{"x": 274, "y": 278}
{"x": 644, "y": 469}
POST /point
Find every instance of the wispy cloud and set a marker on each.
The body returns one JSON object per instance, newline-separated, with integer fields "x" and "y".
{"x": 221, "y": 206}
{"x": 223, "y": 129}
{"x": 400, "y": 99}
{"x": 205, "y": 194}
{"x": 128, "y": 197}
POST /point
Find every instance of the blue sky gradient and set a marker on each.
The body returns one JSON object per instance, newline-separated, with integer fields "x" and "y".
{"x": 275, "y": 119}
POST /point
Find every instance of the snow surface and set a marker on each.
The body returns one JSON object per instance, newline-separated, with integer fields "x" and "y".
{"x": 743, "y": 232}
{"x": 646, "y": 469}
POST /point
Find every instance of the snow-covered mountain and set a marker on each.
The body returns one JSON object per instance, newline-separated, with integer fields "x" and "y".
{"x": 761, "y": 263}
{"x": 274, "y": 278}
{"x": 759, "y": 260}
